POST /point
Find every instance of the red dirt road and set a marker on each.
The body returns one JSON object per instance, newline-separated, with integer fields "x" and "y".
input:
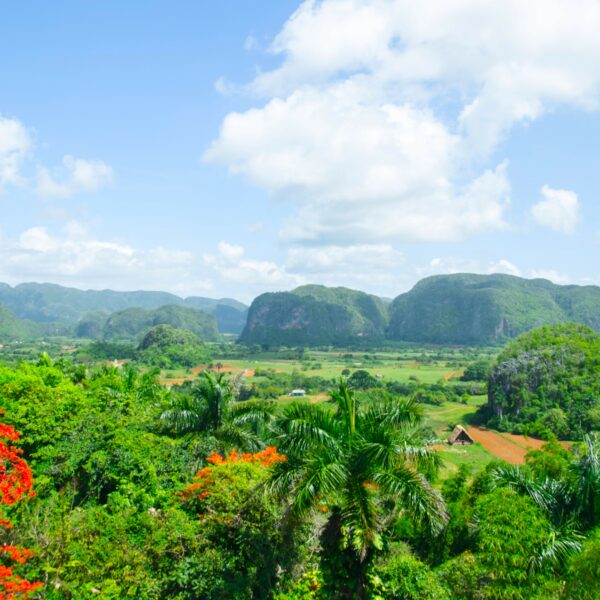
{"x": 506, "y": 446}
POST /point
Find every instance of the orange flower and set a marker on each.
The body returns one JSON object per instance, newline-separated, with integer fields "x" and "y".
{"x": 266, "y": 458}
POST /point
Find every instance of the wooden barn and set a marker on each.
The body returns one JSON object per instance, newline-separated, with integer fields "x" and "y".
{"x": 460, "y": 437}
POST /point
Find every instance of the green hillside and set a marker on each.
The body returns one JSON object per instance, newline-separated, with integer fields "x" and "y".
{"x": 169, "y": 348}
{"x": 479, "y": 309}
{"x": 315, "y": 315}
{"x": 547, "y": 382}
{"x": 134, "y": 323}
{"x": 48, "y": 303}
{"x": 13, "y": 328}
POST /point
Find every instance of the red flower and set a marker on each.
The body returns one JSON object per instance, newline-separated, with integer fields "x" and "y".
{"x": 16, "y": 482}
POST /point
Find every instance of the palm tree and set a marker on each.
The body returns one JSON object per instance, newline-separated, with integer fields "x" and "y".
{"x": 571, "y": 503}
{"x": 575, "y": 498}
{"x": 364, "y": 461}
{"x": 212, "y": 407}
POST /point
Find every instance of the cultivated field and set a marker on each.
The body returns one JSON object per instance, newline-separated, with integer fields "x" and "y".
{"x": 417, "y": 365}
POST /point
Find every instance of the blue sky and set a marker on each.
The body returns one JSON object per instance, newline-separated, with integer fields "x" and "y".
{"x": 233, "y": 148}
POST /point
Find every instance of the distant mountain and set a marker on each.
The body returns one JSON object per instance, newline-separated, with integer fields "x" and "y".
{"x": 47, "y": 303}
{"x": 477, "y": 309}
{"x": 134, "y": 323}
{"x": 13, "y": 328}
{"x": 230, "y": 314}
{"x": 315, "y": 315}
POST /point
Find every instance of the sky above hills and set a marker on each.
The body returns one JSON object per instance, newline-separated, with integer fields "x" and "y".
{"x": 231, "y": 148}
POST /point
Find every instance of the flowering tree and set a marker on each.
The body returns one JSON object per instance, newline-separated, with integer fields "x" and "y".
{"x": 15, "y": 484}
{"x": 240, "y": 522}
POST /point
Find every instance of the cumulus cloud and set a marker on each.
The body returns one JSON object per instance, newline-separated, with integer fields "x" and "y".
{"x": 558, "y": 210}
{"x": 447, "y": 265}
{"x": 552, "y": 275}
{"x": 379, "y": 117}
{"x": 76, "y": 175}
{"x": 73, "y": 257}
{"x": 365, "y": 266}
{"x": 15, "y": 143}
{"x": 231, "y": 264}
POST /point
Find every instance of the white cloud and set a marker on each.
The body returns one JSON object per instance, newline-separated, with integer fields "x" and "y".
{"x": 378, "y": 120}
{"x": 371, "y": 267}
{"x": 552, "y": 275}
{"x": 558, "y": 210}
{"x": 360, "y": 171}
{"x": 14, "y": 146}
{"x": 78, "y": 175}
{"x": 72, "y": 257}
{"x": 336, "y": 259}
{"x": 447, "y": 265}
{"x": 231, "y": 265}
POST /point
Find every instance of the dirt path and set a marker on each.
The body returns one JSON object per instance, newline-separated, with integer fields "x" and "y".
{"x": 508, "y": 446}
{"x": 453, "y": 374}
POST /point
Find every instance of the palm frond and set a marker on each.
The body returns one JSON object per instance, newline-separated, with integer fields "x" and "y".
{"x": 238, "y": 437}
{"x": 186, "y": 415}
{"x": 553, "y": 496}
{"x": 559, "y": 547}
{"x": 419, "y": 499}
{"x": 254, "y": 412}
{"x": 391, "y": 411}
{"x": 306, "y": 426}
{"x": 346, "y": 402}
{"x": 303, "y": 482}
{"x": 359, "y": 515}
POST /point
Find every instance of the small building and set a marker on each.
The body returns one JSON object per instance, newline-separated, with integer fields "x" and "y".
{"x": 297, "y": 393}
{"x": 460, "y": 437}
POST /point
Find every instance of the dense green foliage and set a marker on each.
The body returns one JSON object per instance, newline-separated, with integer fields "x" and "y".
{"x": 166, "y": 347}
{"x": 213, "y": 406}
{"x": 315, "y": 315}
{"x": 144, "y": 491}
{"x": 479, "y": 309}
{"x": 547, "y": 382}
{"x": 361, "y": 463}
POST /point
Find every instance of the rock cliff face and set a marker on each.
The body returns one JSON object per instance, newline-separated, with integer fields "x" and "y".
{"x": 480, "y": 309}
{"x": 315, "y": 315}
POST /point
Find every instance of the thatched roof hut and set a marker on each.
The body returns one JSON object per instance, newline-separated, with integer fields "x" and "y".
{"x": 459, "y": 437}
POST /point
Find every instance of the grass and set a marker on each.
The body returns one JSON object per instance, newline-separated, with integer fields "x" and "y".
{"x": 440, "y": 418}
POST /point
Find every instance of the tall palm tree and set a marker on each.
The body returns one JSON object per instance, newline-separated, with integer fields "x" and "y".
{"x": 213, "y": 407}
{"x": 352, "y": 459}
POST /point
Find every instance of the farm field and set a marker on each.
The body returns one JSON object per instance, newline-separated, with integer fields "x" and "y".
{"x": 415, "y": 366}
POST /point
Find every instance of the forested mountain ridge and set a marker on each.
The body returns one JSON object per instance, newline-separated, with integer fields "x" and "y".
{"x": 134, "y": 323}
{"x": 480, "y": 309}
{"x": 443, "y": 309}
{"x": 314, "y": 314}
{"x": 47, "y": 302}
